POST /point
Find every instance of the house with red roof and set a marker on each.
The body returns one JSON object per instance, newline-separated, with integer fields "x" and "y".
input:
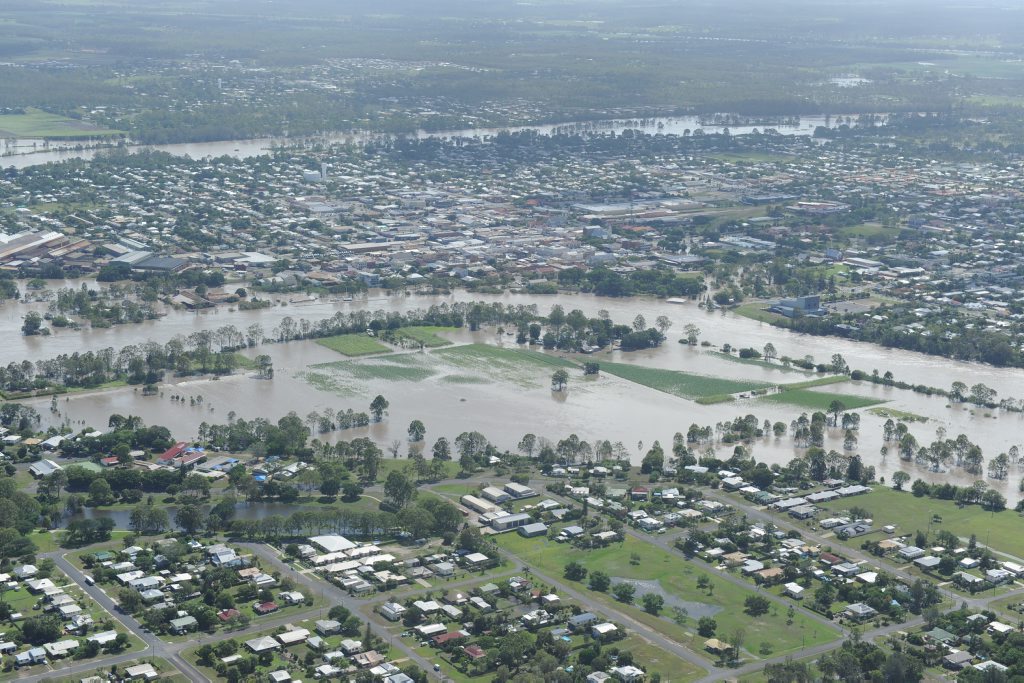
{"x": 449, "y": 637}
{"x": 830, "y": 559}
{"x": 190, "y": 457}
{"x": 265, "y": 608}
{"x": 474, "y": 652}
{"x": 171, "y": 453}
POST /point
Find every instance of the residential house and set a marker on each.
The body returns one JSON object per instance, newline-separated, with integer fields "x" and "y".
{"x": 183, "y": 624}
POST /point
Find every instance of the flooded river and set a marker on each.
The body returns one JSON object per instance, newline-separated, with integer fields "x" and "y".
{"x": 605, "y": 408}
{"x": 25, "y": 153}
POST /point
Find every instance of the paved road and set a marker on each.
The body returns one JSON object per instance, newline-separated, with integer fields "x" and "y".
{"x": 813, "y": 651}
{"x": 666, "y": 543}
{"x": 155, "y": 647}
{"x": 171, "y": 652}
{"x": 716, "y": 673}
{"x": 337, "y": 596}
{"x": 782, "y": 521}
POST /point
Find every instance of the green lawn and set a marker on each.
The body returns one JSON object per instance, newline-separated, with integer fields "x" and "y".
{"x": 756, "y": 311}
{"x": 869, "y": 230}
{"x": 1006, "y": 607}
{"x": 45, "y": 541}
{"x": 683, "y": 384}
{"x": 1002, "y": 530}
{"x": 656, "y": 660}
{"x": 678, "y": 578}
{"x": 818, "y": 400}
{"x": 35, "y": 123}
{"x": 387, "y": 465}
{"x": 353, "y": 344}
{"x": 428, "y": 335}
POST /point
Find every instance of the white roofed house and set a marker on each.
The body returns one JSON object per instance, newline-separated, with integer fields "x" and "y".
{"x": 392, "y": 611}
{"x": 426, "y": 606}
{"x": 60, "y": 648}
{"x": 141, "y": 671}
{"x": 476, "y": 559}
{"x": 332, "y": 543}
{"x": 26, "y": 571}
{"x": 294, "y": 636}
{"x": 43, "y": 468}
{"x": 262, "y": 644}
{"x": 183, "y": 624}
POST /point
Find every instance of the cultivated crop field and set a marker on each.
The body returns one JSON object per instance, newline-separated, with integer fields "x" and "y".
{"x": 40, "y": 124}
{"x": 466, "y": 365}
{"x": 683, "y": 384}
{"x": 428, "y": 336}
{"x": 819, "y": 400}
{"x": 353, "y": 345}
{"x": 527, "y": 369}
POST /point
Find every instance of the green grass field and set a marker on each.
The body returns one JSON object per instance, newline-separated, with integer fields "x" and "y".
{"x": 517, "y": 366}
{"x": 657, "y": 661}
{"x": 394, "y": 368}
{"x": 683, "y": 384}
{"x": 678, "y": 578}
{"x": 479, "y": 355}
{"x": 388, "y": 465}
{"x": 817, "y": 400}
{"x": 756, "y": 311}
{"x": 353, "y": 344}
{"x": 869, "y": 230}
{"x": 467, "y": 364}
{"x": 45, "y": 541}
{"x": 1006, "y": 607}
{"x": 428, "y": 336}
{"x": 40, "y": 124}
{"x": 1001, "y": 530}
{"x": 816, "y": 382}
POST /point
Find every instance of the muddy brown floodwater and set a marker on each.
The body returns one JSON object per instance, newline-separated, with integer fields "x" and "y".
{"x": 606, "y": 408}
